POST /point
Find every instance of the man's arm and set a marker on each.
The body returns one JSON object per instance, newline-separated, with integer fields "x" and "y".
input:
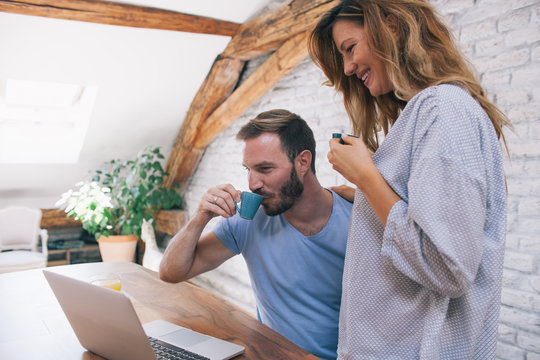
{"x": 190, "y": 254}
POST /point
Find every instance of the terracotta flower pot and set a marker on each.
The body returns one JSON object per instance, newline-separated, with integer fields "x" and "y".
{"x": 117, "y": 247}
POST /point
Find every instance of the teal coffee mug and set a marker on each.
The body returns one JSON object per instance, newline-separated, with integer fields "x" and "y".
{"x": 338, "y": 136}
{"x": 249, "y": 204}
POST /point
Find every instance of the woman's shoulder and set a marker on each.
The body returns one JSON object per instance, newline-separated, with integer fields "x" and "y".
{"x": 444, "y": 101}
{"x": 448, "y": 106}
{"x": 445, "y": 95}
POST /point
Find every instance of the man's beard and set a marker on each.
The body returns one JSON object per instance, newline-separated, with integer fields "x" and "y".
{"x": 289, "y": 193}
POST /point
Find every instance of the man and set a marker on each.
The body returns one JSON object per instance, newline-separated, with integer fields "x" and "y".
{"x": 295, "y": 245}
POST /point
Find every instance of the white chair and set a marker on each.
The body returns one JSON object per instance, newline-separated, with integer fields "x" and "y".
{"x": 19, "y": 234}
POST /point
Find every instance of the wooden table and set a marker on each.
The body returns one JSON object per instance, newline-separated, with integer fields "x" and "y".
{"x": 33, "y": 326}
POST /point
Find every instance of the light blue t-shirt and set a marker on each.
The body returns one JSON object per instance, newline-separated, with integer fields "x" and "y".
{"x": 296, "y": 279}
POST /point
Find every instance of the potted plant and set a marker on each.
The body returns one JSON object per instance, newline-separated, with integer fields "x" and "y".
{"x": 115, "y": 200}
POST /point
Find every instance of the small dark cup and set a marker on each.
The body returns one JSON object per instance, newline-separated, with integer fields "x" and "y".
{"x": 249, "y": 204}
{"x": 338, "y": 136}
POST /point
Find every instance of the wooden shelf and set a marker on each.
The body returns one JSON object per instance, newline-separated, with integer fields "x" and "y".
{"x": 74, "y": 256}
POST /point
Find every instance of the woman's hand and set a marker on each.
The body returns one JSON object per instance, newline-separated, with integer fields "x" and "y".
{"x": 345, "y": 192}
{"x": 352, "y": 159}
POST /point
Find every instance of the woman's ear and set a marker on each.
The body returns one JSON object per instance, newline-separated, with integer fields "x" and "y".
{"x": 303, "y": 162}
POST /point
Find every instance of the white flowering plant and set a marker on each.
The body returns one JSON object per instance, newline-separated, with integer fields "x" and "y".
{"x": 117, "y": 198}
{"x": 91, "y": 205}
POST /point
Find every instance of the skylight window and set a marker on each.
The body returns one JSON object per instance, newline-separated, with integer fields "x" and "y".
{"x": 43, "y": 122}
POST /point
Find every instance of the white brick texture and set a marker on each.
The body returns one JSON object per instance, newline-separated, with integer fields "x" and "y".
{"x": 502, "y": 40}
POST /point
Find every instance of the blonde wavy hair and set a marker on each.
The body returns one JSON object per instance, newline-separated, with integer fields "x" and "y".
{"x": 417, "y": 50}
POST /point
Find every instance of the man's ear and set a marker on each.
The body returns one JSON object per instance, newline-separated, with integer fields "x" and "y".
{"x": 303, "y": 162}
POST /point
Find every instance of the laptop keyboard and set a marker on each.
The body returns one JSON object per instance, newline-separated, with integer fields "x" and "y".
{"x": 167, "y": 351}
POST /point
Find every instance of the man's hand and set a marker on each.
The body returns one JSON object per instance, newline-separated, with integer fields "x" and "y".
{"x": 218, "y": 201}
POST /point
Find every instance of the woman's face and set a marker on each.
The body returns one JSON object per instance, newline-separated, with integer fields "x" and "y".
{"x": 358, "y": 60}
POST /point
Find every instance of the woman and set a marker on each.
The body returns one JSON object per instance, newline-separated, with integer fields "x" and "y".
{"x": 425, "y": 251}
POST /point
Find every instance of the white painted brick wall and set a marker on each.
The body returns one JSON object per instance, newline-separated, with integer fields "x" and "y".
{"x": 502, "y": 39}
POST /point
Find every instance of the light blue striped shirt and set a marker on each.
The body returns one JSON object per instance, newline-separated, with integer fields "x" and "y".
{"x": 428, "y": 285}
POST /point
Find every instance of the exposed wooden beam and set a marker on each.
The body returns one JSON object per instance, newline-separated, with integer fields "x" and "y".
{"x": 267, "y": 32}
{"x": 111, "y": 13}
{"x": 286, "y": 58}
{"x": 191, "y": 145}
{"x": 215, "y": 89}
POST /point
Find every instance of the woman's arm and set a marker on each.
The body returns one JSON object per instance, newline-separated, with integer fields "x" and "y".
{"x": 353, "y": 161}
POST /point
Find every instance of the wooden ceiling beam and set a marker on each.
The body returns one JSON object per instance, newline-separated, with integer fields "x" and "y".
{"x": 267, "y": 32}
{"x": 283, "y": 60}
{"x": 111, "y": 13}
{"x": 193, "y": 139}
{"x": 215, "y": 89}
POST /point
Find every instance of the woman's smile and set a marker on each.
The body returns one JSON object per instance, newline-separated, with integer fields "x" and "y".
{"x": 358, "y": 59}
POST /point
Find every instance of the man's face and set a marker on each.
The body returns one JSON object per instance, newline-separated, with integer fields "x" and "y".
{"x": 271, "y": 173}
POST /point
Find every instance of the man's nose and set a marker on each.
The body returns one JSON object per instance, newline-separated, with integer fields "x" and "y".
{"x": 254, "y": 181}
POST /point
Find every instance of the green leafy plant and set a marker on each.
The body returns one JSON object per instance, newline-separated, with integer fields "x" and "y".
{"x": 117, "y": 198}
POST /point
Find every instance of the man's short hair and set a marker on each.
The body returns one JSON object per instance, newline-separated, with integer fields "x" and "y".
{"x": 293, "y": 131}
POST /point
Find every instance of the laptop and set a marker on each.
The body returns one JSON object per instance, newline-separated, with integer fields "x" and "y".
{"x": 106, "y": 324}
